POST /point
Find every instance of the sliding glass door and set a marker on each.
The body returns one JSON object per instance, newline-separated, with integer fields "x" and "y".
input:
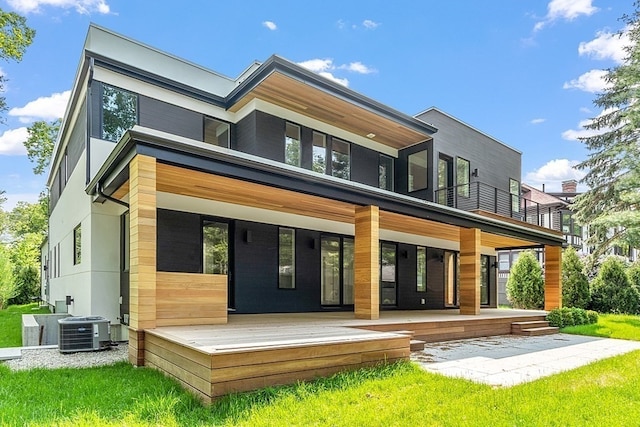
{"x": 388, "y": 281}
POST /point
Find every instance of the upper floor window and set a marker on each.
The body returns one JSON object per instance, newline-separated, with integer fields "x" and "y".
{"x": 514, "y": 190}
{"x": 216, "y": 132}
{"x": 292, "y": 145}
{"x": 417, "y": 171}
{"x": 319, "y": 152}
{"x": 77, "y": 245}
{"x": 119, "y": 112}
{"x": 340, "y": 159}
{"x": 463, "y": 171}
{"x": 385, "y": 172}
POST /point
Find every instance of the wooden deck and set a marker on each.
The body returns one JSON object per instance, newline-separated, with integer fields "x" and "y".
{"x": 254, "y": 351}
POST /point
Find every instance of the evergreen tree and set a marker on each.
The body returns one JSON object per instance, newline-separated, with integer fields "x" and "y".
{"x": 575, "y": 285}
{"x": 611, "y": 290}
{"x": 525, "y": 287}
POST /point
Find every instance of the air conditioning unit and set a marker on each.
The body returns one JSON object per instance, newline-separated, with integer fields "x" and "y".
{"x": 89, "y": 333}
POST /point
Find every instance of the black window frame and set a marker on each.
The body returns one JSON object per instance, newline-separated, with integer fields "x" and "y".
{"x": 293, "y": 260}
{"x": 137, "y": 109}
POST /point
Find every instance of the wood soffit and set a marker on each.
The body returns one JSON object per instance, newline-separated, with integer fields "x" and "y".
{"x": 312, "y": 102}
{"x": 176, "y": 180}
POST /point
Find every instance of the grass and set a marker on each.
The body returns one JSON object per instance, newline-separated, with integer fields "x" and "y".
{"x": 622, "y": 326}
{"x": 11, "y": 323}
{"x": 602, "y": 393}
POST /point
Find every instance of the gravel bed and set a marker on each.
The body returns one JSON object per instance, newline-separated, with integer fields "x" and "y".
{"x": 51, "y": 358}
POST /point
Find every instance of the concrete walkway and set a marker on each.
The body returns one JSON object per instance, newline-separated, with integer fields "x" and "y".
{"x": 509, "y": 360}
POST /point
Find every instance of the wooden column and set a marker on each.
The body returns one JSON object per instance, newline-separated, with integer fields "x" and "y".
{"x": 552, "y": 277}
{"x": 367, "y": 263}
{"x": 142, "y": 271}
{"x": 470, "y": 270}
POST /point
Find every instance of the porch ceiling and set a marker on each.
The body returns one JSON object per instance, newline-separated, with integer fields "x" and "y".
{"x": 176, "y": 180}
{"x": 302, "y": 98}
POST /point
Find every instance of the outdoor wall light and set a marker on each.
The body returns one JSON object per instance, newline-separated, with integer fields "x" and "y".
{"x": 69, "y": 300}
{"x": 247, "y": 236}
{"x": 475, "y": 172}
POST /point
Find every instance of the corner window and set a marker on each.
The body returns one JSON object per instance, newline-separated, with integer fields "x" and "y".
{"x": 77, "y": 245}
{"x": 287, "y": 258}
{"x": 462, "y": 177}
{"x": 340, "y": 159}
{"x": 215, "y": 247}
{"x": 216, "y": 132}
{"x": 417, "y": 171}
{"x": 119, "y": 112}
{"x": 514, "y": 190}
{"x": 292, "y": 145}
{"x": 319, "y": 152}
{"x": 421, "y": 277}
{"x": 385, "y": 172}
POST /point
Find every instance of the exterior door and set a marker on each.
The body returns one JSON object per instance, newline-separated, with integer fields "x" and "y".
{"x": 388, "y": 274}
{"x": 125, "y": 233}
{"x": 215, "y": 253}
{"x": 336, "y": 271}
{"x": 445, "y": 180}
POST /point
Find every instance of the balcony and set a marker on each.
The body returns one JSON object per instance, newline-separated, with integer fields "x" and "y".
{"x": 478, "y": 196}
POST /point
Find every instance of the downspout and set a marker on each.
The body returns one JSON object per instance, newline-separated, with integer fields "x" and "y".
{"x": 112, "y": 199}
{"x": 89, "y": 122}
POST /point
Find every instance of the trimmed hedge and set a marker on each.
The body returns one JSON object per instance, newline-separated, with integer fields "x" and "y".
{"x": 571, "y": 316}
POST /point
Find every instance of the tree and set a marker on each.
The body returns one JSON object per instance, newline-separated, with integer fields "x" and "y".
{"x": 15, "y": 37}
{"x": 39, "y": 144}
{"x": 610, "y": 206}
{"x": 7, "y": 284}
{"x": 525, "y": 286}
{"x": 611, "y": 290}
{"x": 575, "y": 285}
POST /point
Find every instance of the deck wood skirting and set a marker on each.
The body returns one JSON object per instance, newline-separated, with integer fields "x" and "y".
{"x": 191, "y": 299}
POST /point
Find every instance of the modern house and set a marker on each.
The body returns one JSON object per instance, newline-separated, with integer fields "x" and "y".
{"x": 181, "y": 197}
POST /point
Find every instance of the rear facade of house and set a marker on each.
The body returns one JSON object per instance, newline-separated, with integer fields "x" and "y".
{"x": 181, "y": 197}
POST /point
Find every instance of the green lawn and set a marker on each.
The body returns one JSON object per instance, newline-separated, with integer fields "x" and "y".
{"x": 11, "y": 323}
{"x": 603, "y": 393}
{"x": 620, "y": 326}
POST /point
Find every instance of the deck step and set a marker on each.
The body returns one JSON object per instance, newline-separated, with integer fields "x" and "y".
{"x": 516, "y": 327}
{"x": 545, "y": 330}
{"x": 416, "y": 345}
{"x": 405, "y": 332}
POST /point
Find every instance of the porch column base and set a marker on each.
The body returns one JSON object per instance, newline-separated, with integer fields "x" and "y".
{"x": 136, "y": 346}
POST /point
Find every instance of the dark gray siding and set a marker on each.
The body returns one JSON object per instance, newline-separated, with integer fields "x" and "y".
{"x": 78, "y": 139}
{"x": 179, "y": 242}
{"x": 262, "y": 135}
{"x": 496, "y": 163}
{"x": 96, "y": 111}
{"x": 54, "y": 192}
{"x": 169, "y": 118}
{"x": 364, "y": 165}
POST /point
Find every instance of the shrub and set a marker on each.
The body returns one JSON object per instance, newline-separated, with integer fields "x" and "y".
{"x": 571, "y": 316}
{"x": 575, "y": 285}
{"x": 525, "y": 287}
{"x": 27, "y": 281}
{"x": 7, "y": 284}
{"x": 612, "y": 291}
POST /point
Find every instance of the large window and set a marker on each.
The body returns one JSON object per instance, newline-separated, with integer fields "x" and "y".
{"x": 421, "y": 269}
{"x": 451, "y": 278}
{"x": 340, "y": 159}
{"x": 417, "y": 171}
{"x": 215, "y": 247}
{"x": 462, "y": 177}
{"x": 216, "y": 132}
{"x": 77, "y": 244}
{"x": 319, "y": 152}
{"x": 385, "y": 172}
{"x": 514, "y": 190}
{"x": 348, "y": 271}
{"x": 292, "y": 145}
{"x": 287, "y": 258}
{"x": 485, "y": 276}
{"x": 337, "y": 272}
{"x": 119, "y": 112}
{"x": 388, "y": 264}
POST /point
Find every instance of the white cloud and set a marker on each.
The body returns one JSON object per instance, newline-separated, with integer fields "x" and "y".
{"x": 552, "y": 173}
{"x": 11, "y": 142}
{"x": 537, "y": 121}
{"x": 44, "y": 108}
{"x": 606, "y": 45}
{"x": 581, "y": 132}
{"x": 270, "y": 25}
{"x": 585, "y": 110}
{"x": 567, "y": 10}
{"x": 370, "y": 25}
{"x": 591, "y": 81}
{"x": 323, "y": 67}
{"x": 357, "y": 67}
{"x": 84, "y": 7}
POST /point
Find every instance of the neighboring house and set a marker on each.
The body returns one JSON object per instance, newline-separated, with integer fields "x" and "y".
{"x": 179, "y": 195}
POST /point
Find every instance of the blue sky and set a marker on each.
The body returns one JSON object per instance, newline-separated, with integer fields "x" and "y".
{"x": 524, "y": 72}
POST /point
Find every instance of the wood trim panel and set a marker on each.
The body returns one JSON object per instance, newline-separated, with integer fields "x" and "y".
{"x": 142, "y": 208}
{"x": 298, "y": 96}
{"x": 136, "y": 347}
{"x": 552, "y": 277}
{"x": 366, "y": 263}
{"x": 190, "y": 299}
{"x": 470, "y": 270}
